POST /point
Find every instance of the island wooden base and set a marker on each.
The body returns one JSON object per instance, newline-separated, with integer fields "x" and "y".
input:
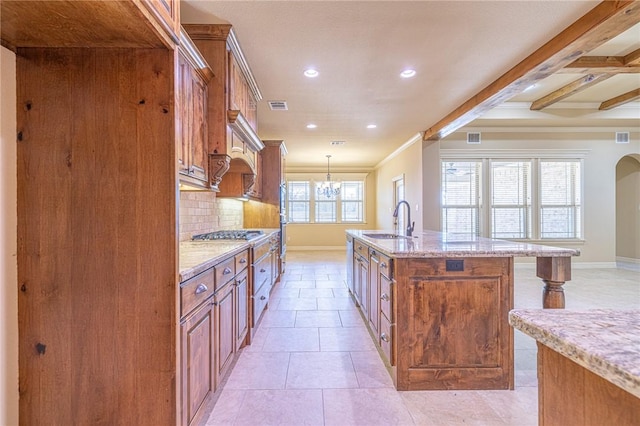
{"x": 452, "y": 323}
{"x": 569, "y": 394}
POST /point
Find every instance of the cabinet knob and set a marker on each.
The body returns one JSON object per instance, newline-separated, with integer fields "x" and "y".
{"x": 359, "y": 247}
{"x": 263, "y": 270}
{"x": 226, "y": 271}
{"x": 201, "y": 288}
{"x": 262, "y": 297}
{"x": 243, "y": 260}
{"x": 383, "y": 265}
{"x": 384, "y": 297}
{"x": 384, "y": 337}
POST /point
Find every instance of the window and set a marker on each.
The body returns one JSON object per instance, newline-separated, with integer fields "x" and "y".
{"x": 537, "y": 198}
{"x": 461, "y": 196}
{"x": 299, "y": 201}
{"x": 305, "y": 206}
{"x": 560, "y": 190}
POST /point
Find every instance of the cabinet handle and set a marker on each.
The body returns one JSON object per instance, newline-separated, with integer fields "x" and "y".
{"x": 359, "y": 247}
{"x": 262, "y": 297}
{"x": 384, "y": 297}
{"x": 383, "y": 265}
{"x": 226, "y": 271}
{"x": 384, "y": 337}
{"x": 201, "y": 288}
{"x": 263, "y": 270}
{"x": 243, "y": 260}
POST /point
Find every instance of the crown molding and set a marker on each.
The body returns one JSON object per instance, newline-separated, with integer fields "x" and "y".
{"x": 416, "y": 138}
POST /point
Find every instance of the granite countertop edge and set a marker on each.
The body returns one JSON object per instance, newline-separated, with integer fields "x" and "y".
{"x": 431, "y": 244}
{"x": 209, "y": 253}
{"x": 559, "y": 339}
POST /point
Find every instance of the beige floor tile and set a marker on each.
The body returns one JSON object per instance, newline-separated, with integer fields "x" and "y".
{"x": 364, "y": 407}
{"x": 227, "y": 407}
{"x": 299, "y": 304}
{"x": 281, "y": 407}
{"x": 259, "y": 370}
{"x": 316, "y": 292}
{"x": 291, "y": 340}
{"x": 283, "y": 293}
{"x": 318, "y": 319}
{"x": 336, "y": 303}
{"x": 330, "y": 284}
{"x": 273, "y": 318}
{"x": 345, "y": 339}
{"x": 341, "y": 292}
{"x": 370, "y": 370}
{"x": 450, "y": 408}
{"x": 351, "y": 318}
{"x": 516, "y": 407}
{"x": 319, "y": 370}
{"x": 300, "y": 283}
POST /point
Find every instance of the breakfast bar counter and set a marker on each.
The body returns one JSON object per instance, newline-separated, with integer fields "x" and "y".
{"x": 438, "y": 303}
{"x": 588, "y": 364}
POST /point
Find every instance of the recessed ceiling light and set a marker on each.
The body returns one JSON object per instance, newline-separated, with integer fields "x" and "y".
{"x": 311, "y": 126}
{"x": 408, "y": 73}
{"x": 311, "y": 73}
{"x": 371, "y": 126}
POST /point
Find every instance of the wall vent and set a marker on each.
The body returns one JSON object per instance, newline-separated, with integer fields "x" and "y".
{"x": 338, "y": 142}
{"x": 473, "y": 137}
{"x": 622, "y": 137}
{"x": 278, "y": 106}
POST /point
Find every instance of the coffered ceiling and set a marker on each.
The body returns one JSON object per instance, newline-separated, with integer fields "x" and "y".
{"x": 460, "y": 50}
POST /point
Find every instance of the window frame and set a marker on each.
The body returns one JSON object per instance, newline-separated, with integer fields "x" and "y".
{"x": 487, "y": 156}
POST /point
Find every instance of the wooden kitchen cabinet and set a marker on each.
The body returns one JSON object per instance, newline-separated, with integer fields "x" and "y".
{"x": 225, "y": 336}
{"x": 198, "y": 375}
{"x": 167, "y": 14}
{"x": 232, "y": 111}
{"x": 242, "y": 309}
{"x": 192, "y": 75}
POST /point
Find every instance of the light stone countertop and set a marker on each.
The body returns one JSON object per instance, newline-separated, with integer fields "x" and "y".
{"x": 198, "y": 256}
{"x": 437, "y": 244}
{"x": 604, "y": 341}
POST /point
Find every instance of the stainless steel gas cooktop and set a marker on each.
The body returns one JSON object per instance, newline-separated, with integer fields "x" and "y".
{"x": 240, "y": 234}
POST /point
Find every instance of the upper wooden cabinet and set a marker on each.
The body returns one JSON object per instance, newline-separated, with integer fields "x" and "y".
{"x": 66, "y": 23}
{"x": 232, "y": 111}
{"x": 192, "y": 76}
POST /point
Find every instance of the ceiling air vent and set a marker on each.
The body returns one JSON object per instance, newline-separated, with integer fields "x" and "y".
{"x": 278, "y": 106}
{"x": 473, "y": 137}
{"x": 338, "y": 142}
{"x": 622, "y": 137}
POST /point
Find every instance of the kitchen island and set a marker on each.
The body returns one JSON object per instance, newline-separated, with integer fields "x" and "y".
{"x": 588, "y": 365}
{"x": 437, "y": 304}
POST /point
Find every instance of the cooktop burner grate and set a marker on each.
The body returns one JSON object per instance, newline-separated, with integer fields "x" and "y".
{"x": 241, "y": 234}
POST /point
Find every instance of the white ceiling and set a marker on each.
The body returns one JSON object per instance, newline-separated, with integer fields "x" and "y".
{"x": 360, "y": 47}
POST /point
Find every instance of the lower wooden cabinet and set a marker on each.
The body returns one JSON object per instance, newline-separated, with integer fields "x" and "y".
{"x": 242, "y": 308}
{"x": 225, "y": 337}
{"x": 197, "y": 345}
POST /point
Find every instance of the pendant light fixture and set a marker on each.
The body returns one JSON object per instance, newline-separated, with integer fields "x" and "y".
{"x": 328, "y": 188}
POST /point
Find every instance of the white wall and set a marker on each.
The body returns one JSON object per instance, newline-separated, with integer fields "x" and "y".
{"x": 628, "y": 208}
{"x": 599, "y": 176}
{"x": 8, "y": 242}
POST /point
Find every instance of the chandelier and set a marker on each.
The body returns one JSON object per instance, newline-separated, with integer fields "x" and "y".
{"x": 328, "y": 188}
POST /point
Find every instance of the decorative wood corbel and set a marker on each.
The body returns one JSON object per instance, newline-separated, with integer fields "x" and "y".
{"x": 218, "y": 165}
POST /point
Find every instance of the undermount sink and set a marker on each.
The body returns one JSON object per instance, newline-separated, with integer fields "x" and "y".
{"x": 385, "y": 236}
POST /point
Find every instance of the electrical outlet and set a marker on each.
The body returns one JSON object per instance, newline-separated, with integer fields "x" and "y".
{"x": 455, "y": 265}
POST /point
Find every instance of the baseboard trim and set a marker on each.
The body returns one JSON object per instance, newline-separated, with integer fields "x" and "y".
{"x": 316, "y": 248}
{"x": 628, "y": 263}
{"x": 574, "y": 265}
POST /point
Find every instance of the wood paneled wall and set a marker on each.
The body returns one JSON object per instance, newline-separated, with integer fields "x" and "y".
{"x": 97, "y": 233}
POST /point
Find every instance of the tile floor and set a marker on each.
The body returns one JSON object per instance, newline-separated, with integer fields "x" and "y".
{"x": 313, "y": 362}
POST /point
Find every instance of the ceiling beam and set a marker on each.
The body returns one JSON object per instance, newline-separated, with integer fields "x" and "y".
{"x": 619, "y": 100}
{"x": 570, "y": 89}
{"x": 600, "y": 24}
{"x": 629, "y": 63}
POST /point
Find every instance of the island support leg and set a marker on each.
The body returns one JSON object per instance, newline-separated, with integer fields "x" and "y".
{"x": 554, "y": 271}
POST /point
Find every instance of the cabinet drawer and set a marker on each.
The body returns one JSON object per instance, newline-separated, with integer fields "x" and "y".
{"x": 261, "y": 274}
{"x": 224, "y": 271}
{"x": 386, "y": 297}
{"x": 260, "y": 300}
{"x": 260, "y": 250}
{"x": 386, "y": 338}
{"x": 386, "y": 266}
{"x": 241, "y": 260}
{"x": 195, "y": 291}
{"x": 361, "y": 248}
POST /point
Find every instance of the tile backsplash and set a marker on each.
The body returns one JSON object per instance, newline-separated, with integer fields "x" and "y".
{"x": 202, "y": 212}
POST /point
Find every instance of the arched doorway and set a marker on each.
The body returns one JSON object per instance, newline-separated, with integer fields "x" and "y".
{"x": 628, "y": 212}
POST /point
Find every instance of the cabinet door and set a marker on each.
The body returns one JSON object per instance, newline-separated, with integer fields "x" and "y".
{"x": 198, "y": 378}
{"x": 183, "y": 87}
{"x": 199, "y": 154}
{"x": 242, "y": 308}
{"x": 363, "y": 280}
{"x": 225, "y": 341}
{"x": 374, "y": 292}
{"x": 167, "y": 13}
